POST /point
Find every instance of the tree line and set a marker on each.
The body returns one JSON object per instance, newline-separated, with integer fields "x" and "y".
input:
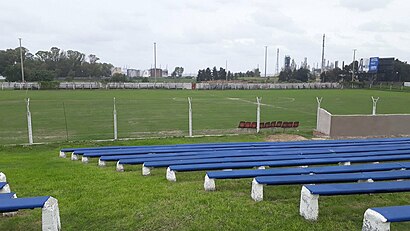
{"x": 48, "y": 65}
{"x": 209, "y": 74}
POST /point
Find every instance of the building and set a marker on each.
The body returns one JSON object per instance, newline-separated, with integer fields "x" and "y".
{"x": 133, "y": 73}
{"x": 155, "y": 72}
{"x": 287, "y": 62}
{"x": 116, "y": 70}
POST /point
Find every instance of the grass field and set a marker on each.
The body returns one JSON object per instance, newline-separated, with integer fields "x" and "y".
{"x": 165, "y": 112}
{"x": 93, "y": 198}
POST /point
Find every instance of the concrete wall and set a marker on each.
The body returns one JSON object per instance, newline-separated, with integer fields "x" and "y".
{"x": 324, "y": 121}
{"x": 369, "y": 125}
{"x": 362, "y": 125}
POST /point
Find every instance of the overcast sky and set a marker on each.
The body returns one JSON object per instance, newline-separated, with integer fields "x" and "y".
{"x": 196, "y": 34}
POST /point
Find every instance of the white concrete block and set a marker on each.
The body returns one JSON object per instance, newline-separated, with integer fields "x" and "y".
{"x": 84, "y": 159}
{"x": 145, "y": 170}
{"x": 119, "y": 167}
{"x": 257, "y": 191}
{"x": 62, "y": 154}
{"x": 345, "y": 163}
{"x": 309, "y": 204}
{"x": 374, "y": 221}
{"x": 5, "y": 189}
{"x": 74, "y": 156}
{"x": 304, "y": 166}
{"x": 262, "y": 167}
{"x": 3, "y": 177}
{"x": 209, "y": 184}
{"x": 171, "y": 175}
{"x": 51, "y": 215}
{"x": 101, "y": 163}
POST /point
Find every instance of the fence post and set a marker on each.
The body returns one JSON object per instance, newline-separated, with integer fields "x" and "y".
{"x": 190, "y": 116}
{"x": 258, "y": 114}
{"x": 374, "y": 104}
{"x": 29, "y": 126}
{"x": 115, "y": 122}
{"x": 319, "y": 101}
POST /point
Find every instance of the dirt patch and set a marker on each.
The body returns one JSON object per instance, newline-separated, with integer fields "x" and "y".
{"x": 284, "y": 137}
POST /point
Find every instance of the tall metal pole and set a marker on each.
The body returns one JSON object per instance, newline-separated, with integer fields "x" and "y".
{"x": 319, "y": 101}
{"x": 323, "y": 55}
{"x": 226, "y": 69}
{"x": 266, "y": 58}
{"x": 21, "y": 61}
{"x": 354, "y": 60}
{"x": 155, "y": 61}
{"x": 374, "y": 105}
{"x": 277, "y": 62}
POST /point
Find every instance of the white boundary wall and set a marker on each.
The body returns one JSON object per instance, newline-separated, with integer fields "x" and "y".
{"x": 187, "y": 86}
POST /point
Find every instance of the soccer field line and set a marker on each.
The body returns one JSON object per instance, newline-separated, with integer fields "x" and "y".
{"x": 273, "y": 106}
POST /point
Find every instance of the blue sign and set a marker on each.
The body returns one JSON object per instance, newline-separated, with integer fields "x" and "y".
{"x": 373, "y": 65}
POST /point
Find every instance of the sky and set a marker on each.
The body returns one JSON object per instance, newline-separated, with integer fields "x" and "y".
{"x": 197, "y": 34}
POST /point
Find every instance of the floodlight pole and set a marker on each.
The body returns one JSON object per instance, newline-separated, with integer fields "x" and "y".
{"x": 258, "y": 114}
{"x": 21, "y": 61}
{"x": 266, "y": 58}
{"x": 29, "y": 125}
{"x": 190, "y": 116}
{"x": 115, "y": 122}
{"x": 374, "y": 104}
{"x": 354, "y": 60}
{"x": 319, "y": 101}
{"x": 155, "y": 62}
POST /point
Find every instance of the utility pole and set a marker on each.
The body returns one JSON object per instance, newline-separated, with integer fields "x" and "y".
{"x": 226, "y": 69}
{"x": 266, "y": 58}
{"x": 21, "y": 61}
{"x": 155, "y": 61}
{"x": 277, "y": 62}
{"x": 323, "y": 55}
{"x": 354, "y": 60}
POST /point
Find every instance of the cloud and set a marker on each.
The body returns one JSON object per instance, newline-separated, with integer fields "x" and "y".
{"x": 365, "y": 5}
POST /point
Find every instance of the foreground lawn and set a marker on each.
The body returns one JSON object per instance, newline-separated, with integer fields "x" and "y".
{"x": 93, "y": 198}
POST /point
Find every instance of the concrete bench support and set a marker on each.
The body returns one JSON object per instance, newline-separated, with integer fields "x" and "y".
{"x": 309, "y": 204}
{"x": 374, "y": 221}
{"x": 2, "y": 177}
{"x": 62, "y": 154}
{"x": 171, "y": 175}
{"x": 119, "y": 167}
{"x": 101, "y": 163}
{"x": 5, "y": 189}
{"x": 344, "y": 163}
{"x": 74, "y": 156}
{"x": 146, "y": 171}
{"x": 85, "y": 159}
{"x": 257, "y": 191}
{"x": 51, "y": 215}
{"x": 209, "y": 184}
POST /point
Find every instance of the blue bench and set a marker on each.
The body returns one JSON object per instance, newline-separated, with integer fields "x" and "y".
{"x": 4, "y": 187}
{"x": 49, "y": 206}
{"x": 7, "y": 195}
{"x": 309, "y": 199}
{"x": 156, "y": 149}
{"x": 379, "y": 219}
{"x": 209, "y": 183}
{"x": 259, "y": 182}
{"x": 140, "y": 158}
{"x": 171, "y": 170}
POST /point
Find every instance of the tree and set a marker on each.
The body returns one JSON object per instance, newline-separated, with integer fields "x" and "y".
{"x": 178, "y": 71}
